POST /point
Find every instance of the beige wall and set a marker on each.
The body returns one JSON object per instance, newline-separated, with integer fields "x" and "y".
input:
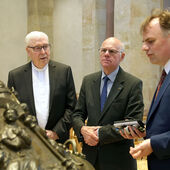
{"x": 67, "y": 34}
{"x": 76, "y": 29}
{"x": 79, "y": 28}
{"x": 13, "y": 27}
{"x": 127, "y": 26}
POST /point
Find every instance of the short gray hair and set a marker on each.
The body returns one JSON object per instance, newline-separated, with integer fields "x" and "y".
{"x": 33, "y": 35}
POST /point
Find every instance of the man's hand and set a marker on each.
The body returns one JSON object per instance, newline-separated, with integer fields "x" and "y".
{"x": 141, "y": 150}
{"x": 52, "y": 135}
{"x": 134, "y": 133}
{"x": 90, "y": 135}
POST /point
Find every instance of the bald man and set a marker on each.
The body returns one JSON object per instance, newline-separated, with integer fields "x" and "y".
{"x": 107, "y": 96}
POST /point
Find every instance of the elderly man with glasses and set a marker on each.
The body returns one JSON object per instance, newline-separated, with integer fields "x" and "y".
{"x": 46, "y": 86}
{"x": 107, "y": 96}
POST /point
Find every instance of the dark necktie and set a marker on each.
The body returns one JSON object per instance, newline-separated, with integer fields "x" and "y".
{"x": 160, "y": 82}
{"x": 104, "y": 93}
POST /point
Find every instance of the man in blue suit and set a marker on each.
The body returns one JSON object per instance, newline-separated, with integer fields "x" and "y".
{"x": 156, "y": 44}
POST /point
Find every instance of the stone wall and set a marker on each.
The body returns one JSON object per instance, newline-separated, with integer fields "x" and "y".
{"x": 13, "y": 28}
{"x": 128, "y": 17}
{"x": 76, "y": 29}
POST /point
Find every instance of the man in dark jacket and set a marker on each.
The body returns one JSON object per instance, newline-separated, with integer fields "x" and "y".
{"x": 46, "y": 86}
{"x": 107, "y": 96}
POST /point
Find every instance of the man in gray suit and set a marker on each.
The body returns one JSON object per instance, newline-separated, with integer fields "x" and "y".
{"x": 46, "y": 86}
{"x": 103, "y": 146}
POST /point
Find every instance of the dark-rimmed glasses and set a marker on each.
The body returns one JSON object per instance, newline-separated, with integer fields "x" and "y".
{"x": 110, "y": 51}
{"x": 39, "y": 48}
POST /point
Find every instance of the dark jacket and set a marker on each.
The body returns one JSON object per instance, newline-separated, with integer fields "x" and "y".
{"x": 124, "y": 101}
{"x": 62, "y": 95}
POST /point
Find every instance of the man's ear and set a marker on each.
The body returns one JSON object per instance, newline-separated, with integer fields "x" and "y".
{"x": 27, "y": 50}
{"x": 122, "y": 56}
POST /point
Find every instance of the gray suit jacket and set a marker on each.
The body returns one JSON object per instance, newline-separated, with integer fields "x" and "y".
{"x": 124, "y": 101}
{"x": 62, "y": 95}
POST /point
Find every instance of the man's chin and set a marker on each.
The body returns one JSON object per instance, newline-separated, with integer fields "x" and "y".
{"x": 153, "y": 61}
{"x": 43, "y": 64}
{"x": 106, "y": 64}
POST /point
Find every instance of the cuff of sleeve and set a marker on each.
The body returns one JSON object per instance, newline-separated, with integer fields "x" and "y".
{"x": 158, "y": 147}
{"x": 98, "y": 132}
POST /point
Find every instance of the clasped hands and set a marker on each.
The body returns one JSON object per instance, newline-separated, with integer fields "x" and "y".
{"x": 52, "y": 135}
{"x": 143, "y": 149}
{"x": 90, "y": 135}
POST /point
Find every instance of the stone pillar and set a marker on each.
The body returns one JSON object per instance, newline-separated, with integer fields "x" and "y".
{"x": 109, "y": 18}
{"x": 88, "y": 36}
{"x": 127, "y": 29}
{"x": 166, "y": 4}
{"x": 40, "y": 17}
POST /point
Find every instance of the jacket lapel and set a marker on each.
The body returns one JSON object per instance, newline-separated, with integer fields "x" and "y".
{"x": 96, "y": 91}
{"x": 114, "y": 92}
{"x": 52, "y": 82}
{"x": 29, "y": 85}
{"x": 162, "y": 90}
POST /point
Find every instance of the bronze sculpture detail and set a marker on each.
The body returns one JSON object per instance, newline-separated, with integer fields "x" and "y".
{"x": 24, "y": 145}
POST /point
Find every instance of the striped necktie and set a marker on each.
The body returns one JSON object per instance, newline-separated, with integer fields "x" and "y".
{"x": 160, "y": 82}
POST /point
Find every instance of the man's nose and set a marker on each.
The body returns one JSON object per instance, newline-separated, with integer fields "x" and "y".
{"x": 107, "y": 52}
{"x": 145, "y": 47}
{"x": 42, "y": 50}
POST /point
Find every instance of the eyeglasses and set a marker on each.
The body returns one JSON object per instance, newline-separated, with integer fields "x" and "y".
{"x": 39, "y": 48}
{"x": 110, "y": 51}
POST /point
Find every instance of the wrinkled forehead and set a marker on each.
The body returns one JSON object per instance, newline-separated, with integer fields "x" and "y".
{"x": 38, "y": 40}
{"x": 111, "y": 44}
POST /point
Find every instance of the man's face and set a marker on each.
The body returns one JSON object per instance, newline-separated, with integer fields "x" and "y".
{"x": 41, "y": 56}
{"x": 156, "y": 44}
{"x": 110, "y": 55}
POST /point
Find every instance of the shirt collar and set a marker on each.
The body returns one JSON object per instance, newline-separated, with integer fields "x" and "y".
{"x": 112, "y": 75}
{"x": 167, "y": 67}
{"x": 38, "y": 69}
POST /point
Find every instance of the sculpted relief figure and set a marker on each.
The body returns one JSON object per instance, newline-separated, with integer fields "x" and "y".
{"x": 12, "y": 135}
{"x": 25, "y": 146}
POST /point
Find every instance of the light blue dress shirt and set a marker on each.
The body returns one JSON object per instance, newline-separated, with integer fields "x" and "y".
{"x": 110, "y": 82}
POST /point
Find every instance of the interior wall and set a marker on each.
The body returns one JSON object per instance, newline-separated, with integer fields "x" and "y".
{"x": 79, "y": 28}
{"x": 127, "y": 29}
{"x": 67, "y": 33}
{"x": 13, "y": 28}
{"x": 166, "y": 4}
{"x": 76, "y": 30}
{"x": 40, "y": 17}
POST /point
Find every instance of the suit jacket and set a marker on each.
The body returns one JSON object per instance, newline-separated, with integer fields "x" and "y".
{"x": 158, "y": 128}
{"x": 124, "y": 101}
{"x": 62, "y": 95}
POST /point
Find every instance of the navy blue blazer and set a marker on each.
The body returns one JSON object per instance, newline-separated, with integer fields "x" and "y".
{"x": 158, "y": 128}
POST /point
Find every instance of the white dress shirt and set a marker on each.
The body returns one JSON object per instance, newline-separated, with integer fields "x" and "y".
{"x": 167, "y": 67}
{"x": 41, "y": 91}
